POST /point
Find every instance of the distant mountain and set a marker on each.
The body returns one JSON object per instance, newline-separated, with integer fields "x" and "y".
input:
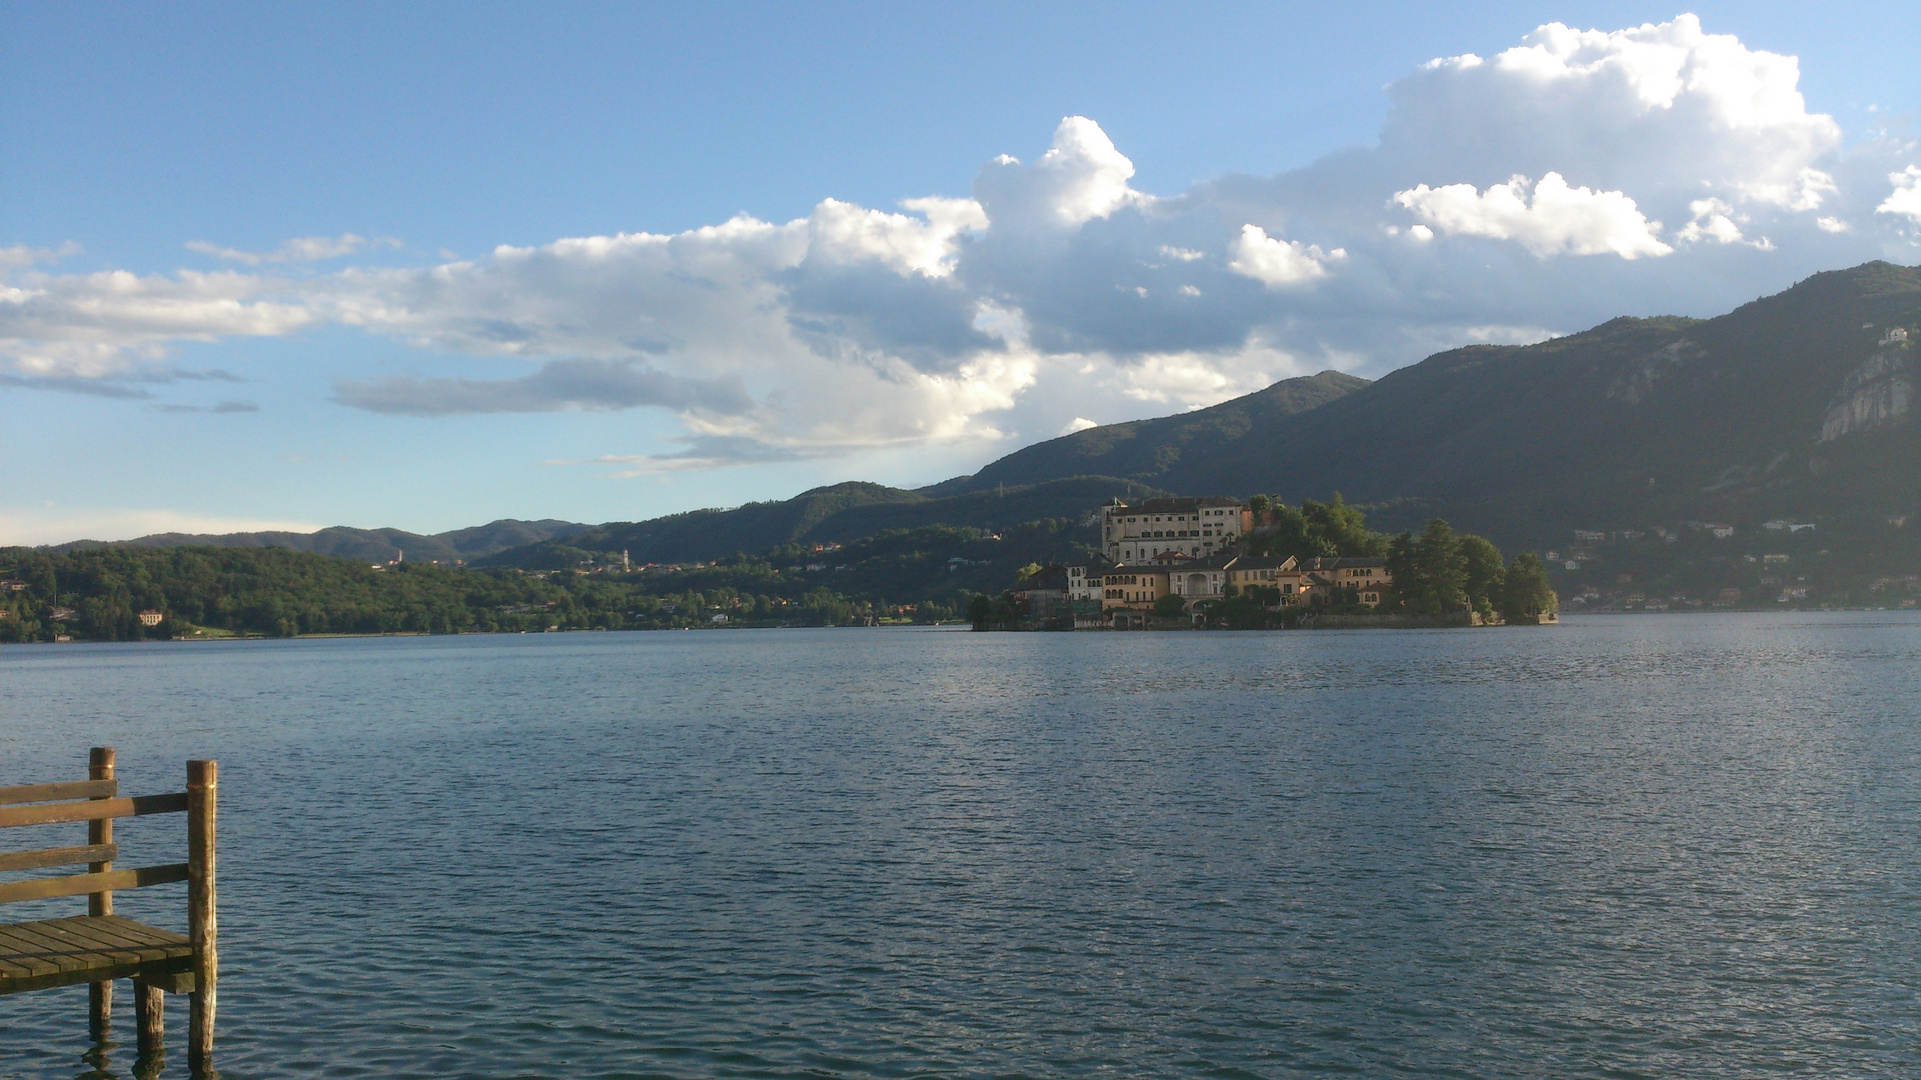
{"x": 1151, "y": 451}
{"x": 840, "y": 513}
{"x": 1800, "y": 405}
{"x": 373, "y": 545}
{"x": 1796, "y": 406}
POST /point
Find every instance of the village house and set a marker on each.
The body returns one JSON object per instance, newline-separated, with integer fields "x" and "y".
{"x": 1367, "y": 578}
{"x": 1101, "y": 595}
{"x": 1128, "y": 594}
{"x": 1249, "y": 573}
{"x": 1085, "y": 588}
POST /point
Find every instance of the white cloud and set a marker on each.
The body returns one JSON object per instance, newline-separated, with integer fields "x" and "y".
{"x": 1716, "y": 220}
{"x": 298, "y": 250}
{"x": 1654, "y": 110}
{"x": 14, "y": 257}
{"x": 1080, "y": 178}
{"x": 1054, "y": 289}
{"x": 1905, "y": 199}
{"x": 114, "y": 325}
{"x": 1557, "y": 220}
{"x": 1277, "y": 263}
{"x": 1079, "y": 423}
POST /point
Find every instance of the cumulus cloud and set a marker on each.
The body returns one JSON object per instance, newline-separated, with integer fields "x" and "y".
{"x": 298, "y": 250}
{"x": 1277, "y": 263}
{"x": 1548, "y": 218}
{"x": 1655, "y": 110}
{"x": 1508, "y": 198}
{"x": 1080, "y": 178}
{"x": 1905, "y": 199}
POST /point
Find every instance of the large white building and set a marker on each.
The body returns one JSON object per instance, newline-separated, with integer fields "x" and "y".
{"x": 1185, "y": 527}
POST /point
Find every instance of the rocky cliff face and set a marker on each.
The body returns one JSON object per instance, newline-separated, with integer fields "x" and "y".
{"x": 1878, "y": 392}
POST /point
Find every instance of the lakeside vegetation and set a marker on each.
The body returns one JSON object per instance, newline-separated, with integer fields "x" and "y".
{"x": 922, "y": 575}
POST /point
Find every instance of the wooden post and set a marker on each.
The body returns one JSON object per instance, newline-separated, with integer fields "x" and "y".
{"x": 203, "y": 786}
{"x": 100, "y": 994}
{"x": 150, "y": 1016}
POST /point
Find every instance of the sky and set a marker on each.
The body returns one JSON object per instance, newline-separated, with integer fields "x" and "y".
{"x": 429, "y": 265}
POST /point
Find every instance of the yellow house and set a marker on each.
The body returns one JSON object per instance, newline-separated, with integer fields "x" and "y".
{"x": 1133, "y": 587}
{"x": 1281, "y": 575}
{"x": 1327, "y": 579}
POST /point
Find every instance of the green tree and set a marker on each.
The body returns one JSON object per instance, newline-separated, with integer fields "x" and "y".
{"x": 1481, "y": 562}
{"x": 1526, "y": 594}
{"x": 1170, "y": 606}
{"x": 1429, "y": 571}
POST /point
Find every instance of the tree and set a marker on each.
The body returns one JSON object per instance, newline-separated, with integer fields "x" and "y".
{"x": 1170, "y": 606}
{"x": 1526, "y": 594}
{"x": 1430, "y": 571}
{"x": 1259, "y": 504}
{"x": 1481, "y": 562}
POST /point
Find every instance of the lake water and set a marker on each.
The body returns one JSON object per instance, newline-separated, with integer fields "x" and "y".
{"x": 1621, "y": 847}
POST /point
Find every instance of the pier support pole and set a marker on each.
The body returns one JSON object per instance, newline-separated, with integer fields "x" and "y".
{"x": 100, "y": 994}
{"x": 203, "y": 787}
{"x": 150, "y": 1017}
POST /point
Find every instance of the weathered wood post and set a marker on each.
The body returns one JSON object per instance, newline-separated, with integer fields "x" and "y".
{"x": 100, "y": 994}
{"x": 203, "y": 786}
{"x": 150, "y": 1018}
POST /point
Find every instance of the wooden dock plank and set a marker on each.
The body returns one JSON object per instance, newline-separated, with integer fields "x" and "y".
{"x": 86, "y": 948}
{"x": 86, "y": 936}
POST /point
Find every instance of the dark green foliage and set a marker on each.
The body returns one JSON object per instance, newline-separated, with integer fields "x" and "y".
{"x": 1317, "y": 529}
{"x": 994, "y": 612}
{"x": 1482, "y": 575}
{"x": 1169, "y": 606}
{"x": 1440, "y": 573}
{"x": 922, "y": 575}
{"x": 1525, "y": 593}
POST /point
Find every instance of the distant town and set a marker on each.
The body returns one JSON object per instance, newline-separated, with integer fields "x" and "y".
{"x": 1197, "y": 562}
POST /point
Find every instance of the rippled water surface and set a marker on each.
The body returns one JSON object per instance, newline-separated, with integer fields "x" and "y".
{"x": 1621, "y": 847}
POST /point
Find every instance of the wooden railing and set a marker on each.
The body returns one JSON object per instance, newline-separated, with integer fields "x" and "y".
{"x": 97, "y": 802}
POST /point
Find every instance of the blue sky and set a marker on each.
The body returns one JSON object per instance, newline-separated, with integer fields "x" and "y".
{"x": 253, "y": 273}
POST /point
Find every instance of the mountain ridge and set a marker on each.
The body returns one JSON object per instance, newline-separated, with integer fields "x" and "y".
{"x": 1799, "y": 404}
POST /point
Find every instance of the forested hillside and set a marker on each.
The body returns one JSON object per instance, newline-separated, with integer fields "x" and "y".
{"x": 921, "y": 575}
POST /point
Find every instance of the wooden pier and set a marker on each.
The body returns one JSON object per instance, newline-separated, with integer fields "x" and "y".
{"x": 100, "y": 947}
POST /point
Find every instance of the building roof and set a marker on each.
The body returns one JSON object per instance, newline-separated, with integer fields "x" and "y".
{"x": 1344, "y": 564}
{"x": 1175, "y": 505}
{"x": 1211, "y": 562}
{"x": 1264, "y": 562}
{"x": 1135, "y": 568}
